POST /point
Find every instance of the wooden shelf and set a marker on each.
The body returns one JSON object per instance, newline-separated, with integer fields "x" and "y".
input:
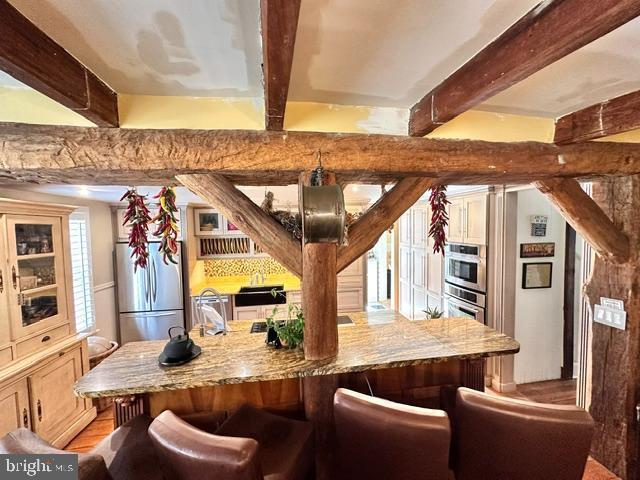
{"x": 44, "y": 288}
{"x": 35, "y": 256}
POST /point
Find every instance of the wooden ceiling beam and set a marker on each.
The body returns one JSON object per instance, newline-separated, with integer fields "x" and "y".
{"x": 366, "y": 231}
{"x": 52, "y": 154}
{"x": 279, "y": 20}
{"x": 263, "y": 229}
{"x": 30, "y": 56}
{"x": 587, "y": 218}
{"x": 550, "y": 31}
{"x": 617, "y": 115}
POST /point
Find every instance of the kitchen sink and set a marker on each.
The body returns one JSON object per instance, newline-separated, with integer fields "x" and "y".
{"x": 260, "y": 295}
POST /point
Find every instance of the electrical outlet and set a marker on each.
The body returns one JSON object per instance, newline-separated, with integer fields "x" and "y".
{"x": 612, "y": 317}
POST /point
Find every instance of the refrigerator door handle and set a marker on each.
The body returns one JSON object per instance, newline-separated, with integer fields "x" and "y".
{"x": 146, "y": 285}
{"x": 154, "y": 285}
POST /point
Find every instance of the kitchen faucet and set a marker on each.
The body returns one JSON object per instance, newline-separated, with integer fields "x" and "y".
{"x": 201, "y": 318}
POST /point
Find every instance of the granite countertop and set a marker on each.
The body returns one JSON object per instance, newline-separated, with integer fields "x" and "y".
{"x": 376, "y": 340}
{"x": 232, "y": 285}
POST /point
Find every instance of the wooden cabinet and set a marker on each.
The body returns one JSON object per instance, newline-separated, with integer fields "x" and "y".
{"x": 420, "y": 271}
{"x": 468, "y": 220}
{"x": 455, "y": 233}
{"x": 14, "y": 407}
{"x": 351, "y": 287}
{"x": 38, "y": 280}
{"x": 40, "y": 355}
{"x": 476, "y": 219}
{"x": 53, "y": 402}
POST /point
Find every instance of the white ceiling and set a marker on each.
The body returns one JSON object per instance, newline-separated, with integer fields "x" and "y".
{"x": 349, "y": 52}
{"x": 208, "y": 48}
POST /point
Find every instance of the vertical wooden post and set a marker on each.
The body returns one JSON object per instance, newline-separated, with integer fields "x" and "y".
{"x": 320, "y": 305}
{"x": 615, "y": 386}
{"x": 566, "y": 371}
{"x": 320, "y": 294}
{"x": 318, "y": 408}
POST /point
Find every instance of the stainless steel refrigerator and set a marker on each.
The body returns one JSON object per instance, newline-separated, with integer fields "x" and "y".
{"x": 150, "y": 300}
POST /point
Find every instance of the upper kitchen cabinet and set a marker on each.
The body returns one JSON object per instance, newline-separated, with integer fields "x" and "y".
{"x": 36, "y": 275}
{"x": 468, "y": 220}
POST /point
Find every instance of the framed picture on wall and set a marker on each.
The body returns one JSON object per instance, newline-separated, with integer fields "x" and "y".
{"x": 533, "y": 250}
{"x": 536, "y": 275}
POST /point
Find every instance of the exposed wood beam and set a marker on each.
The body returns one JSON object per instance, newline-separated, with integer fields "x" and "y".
{"x": 50, "y": 154}
{"x": 587, "y": 218}
{"x": 366, "y": 231}
{"x": 551, "y": 30}
{"x": 248, "y": 217}
{"x": 29, "y": 55}
{"x": 617, "y": 115}
{"x": 279, "y": 26}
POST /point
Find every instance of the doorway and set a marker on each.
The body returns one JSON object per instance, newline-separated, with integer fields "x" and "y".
{"x": 380, "y": 273}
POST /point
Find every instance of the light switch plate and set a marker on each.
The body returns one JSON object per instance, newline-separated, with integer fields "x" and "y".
{"x": 612, "y": 317}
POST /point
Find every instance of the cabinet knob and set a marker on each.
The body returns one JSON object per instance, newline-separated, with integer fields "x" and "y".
{"x": 39, "y": 404}
{"x": 46, "y": 338}
{"x": 25, "y": 418}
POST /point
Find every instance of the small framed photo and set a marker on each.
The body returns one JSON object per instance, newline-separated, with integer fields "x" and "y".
{"x": 536, "y": 275}
{"x": 533, "y": 250}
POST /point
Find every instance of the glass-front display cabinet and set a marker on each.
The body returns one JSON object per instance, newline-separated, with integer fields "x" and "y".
{"x": 36, "y": 273}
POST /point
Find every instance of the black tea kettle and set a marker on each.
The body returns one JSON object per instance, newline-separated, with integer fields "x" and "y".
{"x": 179, "y": 350}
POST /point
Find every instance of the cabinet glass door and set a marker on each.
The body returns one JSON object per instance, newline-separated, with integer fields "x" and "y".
{"x": 36, "y": 273}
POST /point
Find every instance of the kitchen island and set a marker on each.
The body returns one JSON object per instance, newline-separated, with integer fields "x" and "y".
{"x": 402, "y": 359}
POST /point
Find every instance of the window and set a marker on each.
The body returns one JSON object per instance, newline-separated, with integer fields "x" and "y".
{"x": 81, "y": 268}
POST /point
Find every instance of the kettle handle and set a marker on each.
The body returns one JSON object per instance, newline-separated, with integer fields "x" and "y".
{"x": 181, "y": 328}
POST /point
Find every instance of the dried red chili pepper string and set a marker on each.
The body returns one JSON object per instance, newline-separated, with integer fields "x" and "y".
{"x": 439, "y": 218}
{"x": 167, "y": 224}
{"x": 137, "y": 216}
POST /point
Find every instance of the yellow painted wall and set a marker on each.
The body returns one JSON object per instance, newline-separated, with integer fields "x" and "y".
{"x": 146, "y": 111}
{"x": 140, "y": 111}
{"x": 24, "y": 105}
{"x": 496, "y": 127}
{"x": 632, "y": 136}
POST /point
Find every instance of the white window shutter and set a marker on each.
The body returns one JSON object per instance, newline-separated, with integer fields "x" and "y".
{"x": 81, "y": 270}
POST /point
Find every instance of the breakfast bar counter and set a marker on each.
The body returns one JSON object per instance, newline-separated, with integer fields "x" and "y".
{"x": 376, "y": 340}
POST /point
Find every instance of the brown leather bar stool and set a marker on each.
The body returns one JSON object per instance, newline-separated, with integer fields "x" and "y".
{"x": 507, "y": 439}
{"x": 379, "y": 439}
{"x": 250, "y": 445}
{"x": 126, "y": 454}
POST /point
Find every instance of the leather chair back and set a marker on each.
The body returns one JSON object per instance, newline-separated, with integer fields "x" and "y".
{"x": 379, "y": 439}
{"x": 187, "y": 453}
{"x": 505, "y": 439}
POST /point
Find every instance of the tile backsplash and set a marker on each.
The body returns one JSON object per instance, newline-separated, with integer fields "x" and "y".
{"x": 242, "y": 266}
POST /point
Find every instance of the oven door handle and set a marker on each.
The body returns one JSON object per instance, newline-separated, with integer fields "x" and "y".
{"x": 464, "y": 305}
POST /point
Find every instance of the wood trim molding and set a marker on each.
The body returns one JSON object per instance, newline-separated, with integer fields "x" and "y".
{"x": 103, "y": 286}
{"x": 366, "y": 231}
{"x": 279, "y": 20}
{"x": 587, "y": 218}
{"x": 29, "y": 55}
{"x": 617, "y": 115}
{"x": 221, "y": 194}
{"x": 547, "y": 33}
{"x": 89, "y": 156}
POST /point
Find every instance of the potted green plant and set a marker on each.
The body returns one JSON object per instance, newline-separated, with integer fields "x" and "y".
{"x": 287, "y": 333}
{"x": 433, "y": 312}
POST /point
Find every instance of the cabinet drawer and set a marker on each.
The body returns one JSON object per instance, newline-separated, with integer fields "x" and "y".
{"x": 349, "y": 282}
{"x": 294, "y": 297}
{"x": 46, "y": 338}
{"x": 6, "y": 355}
{"x": 350, "y": 300}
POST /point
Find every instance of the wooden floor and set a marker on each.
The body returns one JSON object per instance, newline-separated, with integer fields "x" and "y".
{"x": 86, "y": 440}
{"x": 562, "y": 392}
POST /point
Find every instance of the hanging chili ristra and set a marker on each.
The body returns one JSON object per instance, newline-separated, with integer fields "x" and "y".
{"x": 439, "y": 218}
{"x": 137, "y": 216}
{"x": 167, "y": 224}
